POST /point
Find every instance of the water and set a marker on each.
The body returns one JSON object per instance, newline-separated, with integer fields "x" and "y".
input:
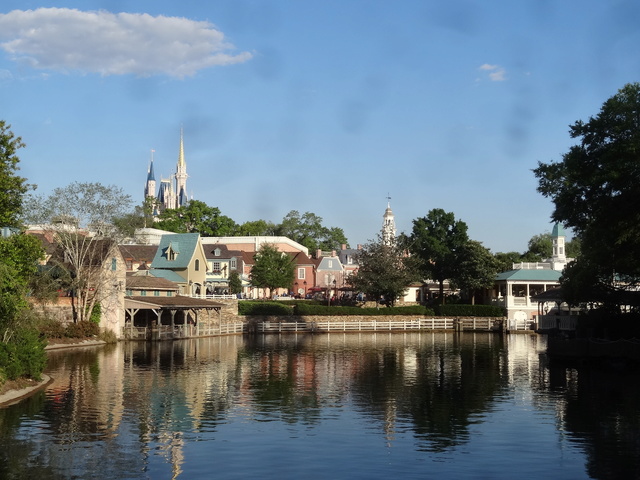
{"x": 369, "y": 406}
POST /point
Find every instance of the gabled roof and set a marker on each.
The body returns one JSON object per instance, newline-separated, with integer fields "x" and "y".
{"x": 225, "y": 252}
{"x": 138, "y": 253}
{"x": 523, "y": 274}
{"x": 301, "y": 259}
{"x": 183, "y": 244}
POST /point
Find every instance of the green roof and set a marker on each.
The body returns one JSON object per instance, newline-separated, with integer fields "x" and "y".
{"x": 183, "y": 246}
{"x": 558, "y": 231}
{"x": 540, "y": 275}
{"x": 167, "y": 275}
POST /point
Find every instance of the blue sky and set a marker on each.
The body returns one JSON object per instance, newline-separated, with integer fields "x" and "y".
{"x": 327, "y": 107}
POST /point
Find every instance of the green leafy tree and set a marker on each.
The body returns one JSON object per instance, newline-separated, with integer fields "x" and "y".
{"x": 595, "y": 189}
{"x": 307, "y": 230}
{"x": 256, "y": 228}
{"x": 477, "y": 268}
{"x": 435, "y": 241}
{"x": 505, "y": 260}
{"x": 235, "y": 283}
{"x": 384, "y": 271}
{"x": 141, "y": 217}
{"x": 12, "y": 186}
{"x": 197, "y": 217}
{"x": 80, "y": 217}
{"x": 272, "y": 269}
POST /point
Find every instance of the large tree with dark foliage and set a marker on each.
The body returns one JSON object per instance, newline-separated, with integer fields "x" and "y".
{"x": 595, "y": 189}
{"x": 12, "y": 186}
{"x": 436, "y": 240}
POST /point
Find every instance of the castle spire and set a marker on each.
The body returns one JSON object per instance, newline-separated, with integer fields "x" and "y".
{"x": 150, "y": 187}
{"x": 181, "y": 176}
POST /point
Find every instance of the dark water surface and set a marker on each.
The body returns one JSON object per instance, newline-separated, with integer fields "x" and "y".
{"x": 369, "y": 406}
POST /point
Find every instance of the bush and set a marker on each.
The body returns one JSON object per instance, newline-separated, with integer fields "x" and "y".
{"x": 23, "y": 356}
{"x": 82, "y": 330}
{"x": 52, "y": 329}
{"x": 455, "y": 310}
{"x": 311, "y": 309}
{"x": 264, "y": 308}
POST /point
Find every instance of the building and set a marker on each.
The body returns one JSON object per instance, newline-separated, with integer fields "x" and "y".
{"x": 515, "y": 289}
{"x": 172, "y": 192}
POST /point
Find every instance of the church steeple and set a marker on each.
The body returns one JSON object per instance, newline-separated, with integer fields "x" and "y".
{"x": 388, "y": 225}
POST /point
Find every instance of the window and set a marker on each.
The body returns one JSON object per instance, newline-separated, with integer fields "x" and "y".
{"x": 217, "y": 252}
{"x": 301, "y": 273}
{"x": 169, "y": 294}
{"x": 233, "y": 263}
{"x": 197, "y": 265}
{"x": 143, "y": 293}
{"x": 156, "y": 293}
{"x": 129, "y": 264}
{"x": 129, "y": 293}
{"x": 330, "y": 263}
{"x": 114, "y": 264}
{"x": 216, "y": 267}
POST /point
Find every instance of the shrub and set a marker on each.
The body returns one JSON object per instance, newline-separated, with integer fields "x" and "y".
{"x": 82, "y": 330}
{"x": 108, "y": 336}
{"x": 96, "y": 314}
{"x": 456, "y": 310}
{"x": 51, "y": 329}
{"x": 264, "y": 308}
{"x": 310, "y": 309}
{"x": 23, "y": 356}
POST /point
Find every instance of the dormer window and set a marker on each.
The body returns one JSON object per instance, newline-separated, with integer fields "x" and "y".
{"x": 171, "y": 252}
{"x": 217, "y": 252}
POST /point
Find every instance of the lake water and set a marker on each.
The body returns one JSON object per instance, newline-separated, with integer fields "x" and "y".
{"x": 337, "y": 406}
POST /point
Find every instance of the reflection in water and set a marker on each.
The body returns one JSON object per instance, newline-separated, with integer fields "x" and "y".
{"x": 323, "y": 406}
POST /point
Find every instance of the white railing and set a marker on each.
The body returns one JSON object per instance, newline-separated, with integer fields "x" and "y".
{"x": 483, "y": 324}
{"x": 567, "y": 323}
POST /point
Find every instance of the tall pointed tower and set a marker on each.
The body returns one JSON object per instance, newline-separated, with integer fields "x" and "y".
{"x": 150, "y": 187}
{"x": 181, "y": 176}
{"x": 388, "y": 225}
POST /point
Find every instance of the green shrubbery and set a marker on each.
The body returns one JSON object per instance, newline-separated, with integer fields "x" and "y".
{"x": 53, "y": 329}
{"x": 455, "y": 310}
{"x": 264, "y": 308}
{"x": 310, "y": 309}
{"x": 22, "y": 356}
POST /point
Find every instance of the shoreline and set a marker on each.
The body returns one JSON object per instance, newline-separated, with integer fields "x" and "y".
{"x": 11, "y": 397}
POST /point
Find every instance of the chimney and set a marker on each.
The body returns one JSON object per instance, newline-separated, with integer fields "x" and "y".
{"x": 333, "y": 253}
{"x": 318, "y": 253}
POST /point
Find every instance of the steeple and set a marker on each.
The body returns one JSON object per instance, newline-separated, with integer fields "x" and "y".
{"x": 388, "y": 225}
{"x": 150, "y": 187}
{"x": 181, "y": 176}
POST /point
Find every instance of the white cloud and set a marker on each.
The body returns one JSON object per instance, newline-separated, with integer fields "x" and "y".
{"x": 101, "y": 42}
{"x": 496, "y": 72}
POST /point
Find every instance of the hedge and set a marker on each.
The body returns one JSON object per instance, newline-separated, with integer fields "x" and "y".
{"x": 23, "y": 356}
{"x": 264, "y": 308}
{"x": 456, "y": 310}
{"x": 310, "y": 310}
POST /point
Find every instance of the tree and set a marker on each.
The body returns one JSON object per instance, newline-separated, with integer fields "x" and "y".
{"x": 235, "y": 283}
{"x": 141, "y": 217}
{"x": 595, "y": 189}
{"x": 256, "y": 228}
{"x": 505, "y": 260}
{"x": 384, "y": 271}
{"x": 435, "y": 241}
{"x": 477, "y": 268}
{"x": 272, "y": 269}
{"x": 19, "y": 256}
{"x": 307, "y": 230}
{"x": 80, "y": 219}
{"x": 12, "y": 187}
{"x": 197, "y": 217}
